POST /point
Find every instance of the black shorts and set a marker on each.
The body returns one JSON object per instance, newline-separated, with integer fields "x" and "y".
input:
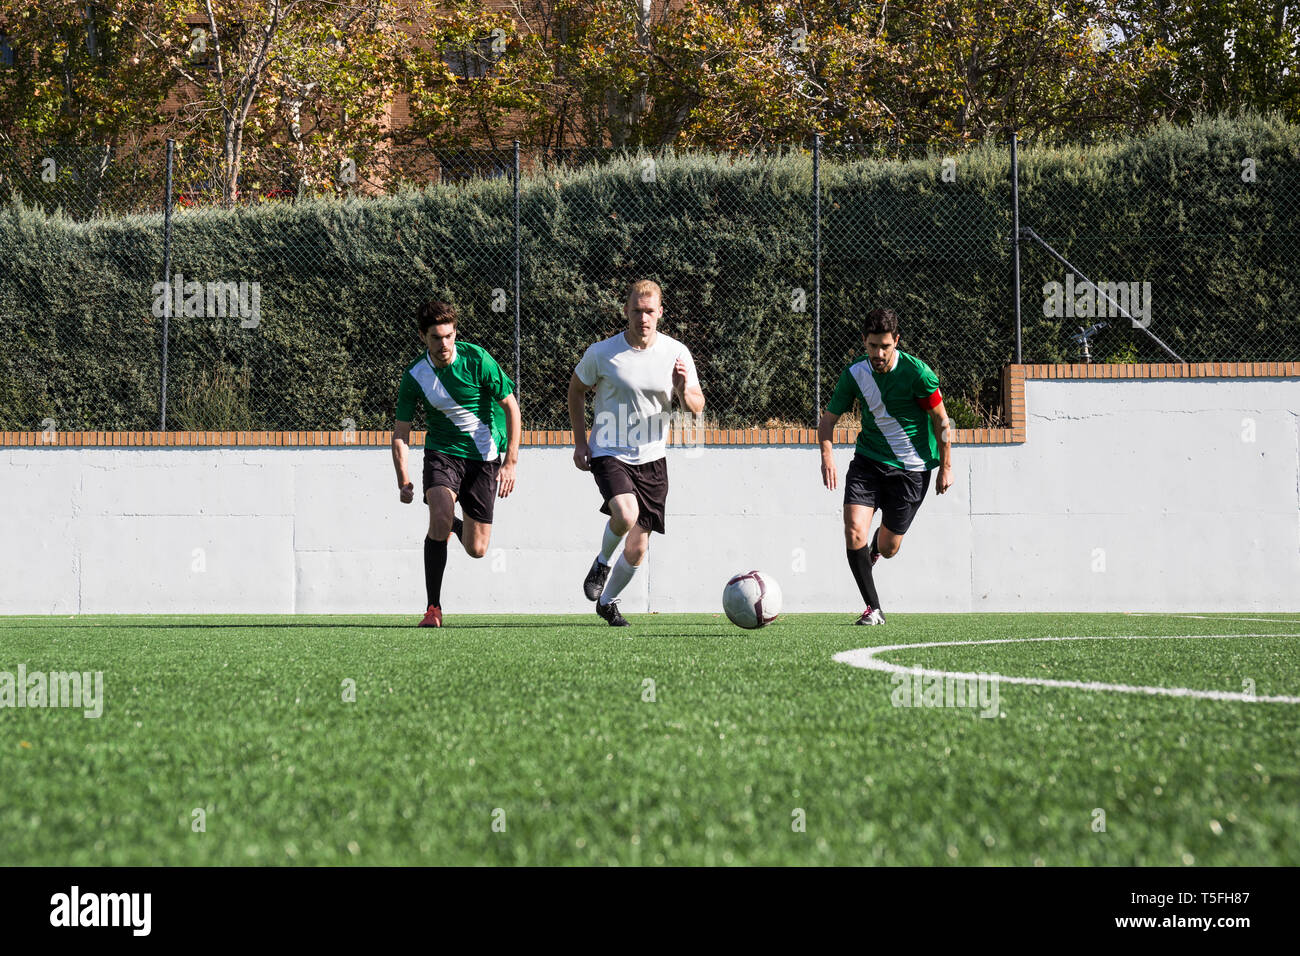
{"x": 473, "y": 482}
{"x": 895, "y": 492}
{"x": 649, "y": 482}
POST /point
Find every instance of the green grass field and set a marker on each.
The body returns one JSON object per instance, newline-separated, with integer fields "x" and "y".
{"x": 540, "y": 724}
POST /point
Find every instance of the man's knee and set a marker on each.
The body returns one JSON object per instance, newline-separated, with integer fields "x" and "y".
{"x": 889, "y": 546}
{"x": 439, "y": 527}
{"x": 476, "y": 536}
{"x": 623, "y": 512}
{"x": 442, "y": 508}
{"x": 634, "y": 549}
{"x": 855, "y": 533}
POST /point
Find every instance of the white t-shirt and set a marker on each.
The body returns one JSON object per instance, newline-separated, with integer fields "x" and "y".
{"x": 634, "y": 395}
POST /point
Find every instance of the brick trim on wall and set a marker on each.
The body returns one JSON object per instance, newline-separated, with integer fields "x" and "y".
{"x": 1013, "y": 398}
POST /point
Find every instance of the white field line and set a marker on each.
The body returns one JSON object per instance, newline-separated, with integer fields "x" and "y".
{"x": 865, "y": 657}
{"x": 1215, "y": 617}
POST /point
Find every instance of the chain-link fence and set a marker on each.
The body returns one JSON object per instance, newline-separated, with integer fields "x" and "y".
{"x": 298, "y": 313}
{"x": 733, "y": 254}
{"x": 1203, "y": 265}
{"x": 924, "y": 233}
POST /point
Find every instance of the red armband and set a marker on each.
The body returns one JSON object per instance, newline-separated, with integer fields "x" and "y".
{"x": 931, "y": 401}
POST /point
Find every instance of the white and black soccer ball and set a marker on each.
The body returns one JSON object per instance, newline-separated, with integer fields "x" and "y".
{"x": 752, "y": 599}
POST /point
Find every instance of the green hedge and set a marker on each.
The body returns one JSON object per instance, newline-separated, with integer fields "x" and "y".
{"x": 730, "y": 239}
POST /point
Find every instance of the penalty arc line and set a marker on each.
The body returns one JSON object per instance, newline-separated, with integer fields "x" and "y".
{"x": 865, "y": 657}
{"x": 1212, "y": 617}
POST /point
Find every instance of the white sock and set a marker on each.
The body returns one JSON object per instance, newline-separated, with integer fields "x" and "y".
{"x": 619, "y": 577}
{"x": 609, "y": 544}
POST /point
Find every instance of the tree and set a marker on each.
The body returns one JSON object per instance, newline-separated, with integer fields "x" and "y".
{"x": 917, "y": 71}
{"x": 225, "y": 61}
{"x": 722, "y": 73}
{"x": 590, "y": 67}
{"x": 286, "y": 95}
{"x": 1051, "y": 70}
{"x": 469, "y": 76}
{"x": 1226, "y": 56}
{"x": 81, "y": 98}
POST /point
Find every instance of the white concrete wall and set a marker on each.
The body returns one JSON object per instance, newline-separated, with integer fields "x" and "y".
{"x": 1154, "y": 478}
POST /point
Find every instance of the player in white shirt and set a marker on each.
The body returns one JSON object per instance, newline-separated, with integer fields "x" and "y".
{"x": 635, "y": 375}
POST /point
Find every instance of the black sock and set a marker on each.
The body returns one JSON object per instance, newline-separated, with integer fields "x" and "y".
{"x": 457, "y": 526}
{"x": 435, "y": 562}
{"x": 860, "y": 565}
{"x": 875, "y": 548}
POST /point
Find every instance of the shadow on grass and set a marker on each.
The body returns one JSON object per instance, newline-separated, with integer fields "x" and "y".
{"x": 269, "y": 624}
{"x": 547, "y": 620}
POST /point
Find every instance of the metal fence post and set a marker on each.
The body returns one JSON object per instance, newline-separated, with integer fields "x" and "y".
{"x": 167, "y": 278}
{"x": 817, "y": 273}
{"x": 517, "y": 330}
{"x": 1015, "y": 239}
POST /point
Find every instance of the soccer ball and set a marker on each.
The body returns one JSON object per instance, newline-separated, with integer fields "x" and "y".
{"x": 752, "y": 599}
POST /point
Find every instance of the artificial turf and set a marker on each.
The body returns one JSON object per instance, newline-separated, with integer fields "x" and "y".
{"x": 534, "y": 740}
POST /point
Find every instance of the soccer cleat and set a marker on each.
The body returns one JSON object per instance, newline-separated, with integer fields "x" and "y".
{"x": 610, "y": 613}
{"x": 457, "y": 526}
{"x": 595, "y": 582}
{"x": 875, "y": 550}
{"x": 871, "y": 616}
{"x": 432, "y": 617}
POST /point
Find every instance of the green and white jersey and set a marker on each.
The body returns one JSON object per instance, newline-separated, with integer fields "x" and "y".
{"x": 460, "y": 402}
{"x": 896, "y": 428}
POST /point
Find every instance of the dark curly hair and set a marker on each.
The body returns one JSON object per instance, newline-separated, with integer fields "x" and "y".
{"x": 880, "y": 322}
{"x": 433, "y": 313}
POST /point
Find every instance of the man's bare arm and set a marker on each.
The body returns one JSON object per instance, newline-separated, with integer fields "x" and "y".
{"x": 578, "y": 422}
{"x": 691, "y": 396}
{"x": 825, "y": 434}
{"x": 514, "y": 432}
{"x": 943, "y": 435}
{"x": 401, "y": 441}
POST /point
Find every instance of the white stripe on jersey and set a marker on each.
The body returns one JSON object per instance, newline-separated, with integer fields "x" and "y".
{"x": 436, "y": 394}
{"x": 901, "y": 445}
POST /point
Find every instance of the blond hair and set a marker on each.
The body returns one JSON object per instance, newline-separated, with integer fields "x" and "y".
{"x": 643, "y": 287}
